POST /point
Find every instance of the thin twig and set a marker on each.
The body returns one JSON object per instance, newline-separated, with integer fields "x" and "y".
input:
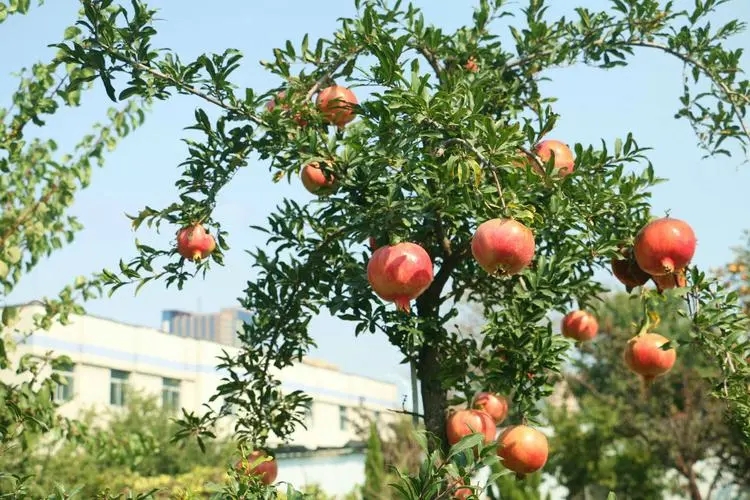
{"x": 407, "y": 412}
{"x": 182, "y": 86}
{"x": 482, "y": 159}
{"x": 729, "y": 94}
{"x": 326, "y": 75}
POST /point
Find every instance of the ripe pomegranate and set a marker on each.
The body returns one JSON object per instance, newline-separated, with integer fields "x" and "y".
{"x": 664, "y": 245}
{"x": 495, "y": 405}
{"x": 315, "y": 179}
{"x": 337, "y": 104}
{"x": 461, "y": 491}
{"x": 644, "y": 356}
{"x": 271, "y": 105}
{"x": 523, "y": 449}
{"x": 674, "y": 280}
{"x": 463, "y": 423}
{"x": 400, "y": 273}
{"x": 503, "y": 244}
{"x": 373, "y": 243}
{"x": 471, "y": 65}
{"x": 267, "y": 470}
{"x": 564, "y": 160}
{"x": 626, "y": 270}
{"x": 194, "y": 243}
{"x": 579, "y": 325}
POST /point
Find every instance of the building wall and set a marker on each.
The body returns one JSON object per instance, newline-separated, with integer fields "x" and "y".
{"x": 97, "y": 346}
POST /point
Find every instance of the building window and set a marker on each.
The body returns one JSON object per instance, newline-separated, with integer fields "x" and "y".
{"x": 343, "y": 421}
{"x": 118, "y": 384}
{"x": 170, "y": 393}
{"x": 63, "y": 390}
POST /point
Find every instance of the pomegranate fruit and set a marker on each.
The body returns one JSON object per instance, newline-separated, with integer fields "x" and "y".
{"x": 267, "y": 470}
{"x": 626, "y": 270}
{"x": 373, "y": 243}
{"x": 675, "y": 280}
{"x": 315, "y": 179}
{"x": 271, "y": 105}
{"x": 664, "y": 245}
{"x": 337, "y": 104}
{"x": 563, "y": 156}
{"x": 644, "y": 356}
{"x": 503, "y": 244}
{"x": 459, "y": 489}
{"x": 523, "y": 449}
{"x": 471, "y": 65}
{"x": 579, "y": 325}
{"x": 400, "y": 273}
{"x": 194, "y": 243}
{"x": 463, "y": 423}
{"x": 495, "y": 405}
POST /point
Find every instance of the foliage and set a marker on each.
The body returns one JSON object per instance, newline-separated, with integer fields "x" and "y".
{"x": 374, "y": 465}
{"x": 638, "y": 446}
{"x": 430, "y": 155}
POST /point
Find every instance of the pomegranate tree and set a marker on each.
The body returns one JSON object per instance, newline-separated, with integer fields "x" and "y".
{"x": 427, "y": 168}
{"x": 503, "y": 245}
{"x": 400, "y": 273}
{"x": 194, "y": 243}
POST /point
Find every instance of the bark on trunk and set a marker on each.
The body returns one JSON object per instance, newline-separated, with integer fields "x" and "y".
{"x": 695, "y": 492}
{"x": 434, "y": 397}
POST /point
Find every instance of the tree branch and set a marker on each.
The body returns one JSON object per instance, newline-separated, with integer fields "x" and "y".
{"x": 729, "y": 94}
{"x": 27, "y": 214}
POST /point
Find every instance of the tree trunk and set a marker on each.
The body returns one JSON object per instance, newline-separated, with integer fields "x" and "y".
{"x": 695, "y": 492}
{"x": 434, "y": 397}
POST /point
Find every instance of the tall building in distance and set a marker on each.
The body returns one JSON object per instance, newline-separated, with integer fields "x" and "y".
{"x": 220, "y": 327}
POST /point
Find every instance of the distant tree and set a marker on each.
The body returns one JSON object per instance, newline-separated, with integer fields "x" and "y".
{"x": 374, "y": 466}
{"x": 642, "y": 443}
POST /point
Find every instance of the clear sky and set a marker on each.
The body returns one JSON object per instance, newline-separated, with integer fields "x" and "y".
{"x": 710, "y": 194}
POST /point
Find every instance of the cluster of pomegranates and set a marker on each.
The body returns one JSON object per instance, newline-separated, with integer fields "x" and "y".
{"x": 523, "y": 449}
{"x": 266, "y": 470}
{"x": 662, "y": 250}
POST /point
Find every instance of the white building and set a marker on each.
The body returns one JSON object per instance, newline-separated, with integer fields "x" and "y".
{"x": 109, "y": 356}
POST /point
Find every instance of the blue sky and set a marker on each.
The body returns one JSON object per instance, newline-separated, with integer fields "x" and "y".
{"x": 710, "y": 194}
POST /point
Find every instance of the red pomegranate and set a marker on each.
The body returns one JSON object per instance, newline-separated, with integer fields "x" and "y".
{"x": 400, "y": 273}
{"x": 194, "y": 243}
{"x": 461, "y": 491}
{"x": 627, "y": 271}
{"x": 471, "y": 65}
{"x": 564, "y": 160}
{"x": 664, "y": 245}
{"x": 267, "y": 470}
{"x": 503, "y": 244}
{"x": 462, "y": 423}
{"x": 495, "y": 405}
{"x": 337, "y": 104}
{"x": 315, "y": 179}
{"x": 644, "y": 355}
{"x": 373, "y": 243}
{"x": 579, "y": 325}
{"x": 674, "y": 280}
{"x": 523, "y": 449}
{"x": 271, "y": 105}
